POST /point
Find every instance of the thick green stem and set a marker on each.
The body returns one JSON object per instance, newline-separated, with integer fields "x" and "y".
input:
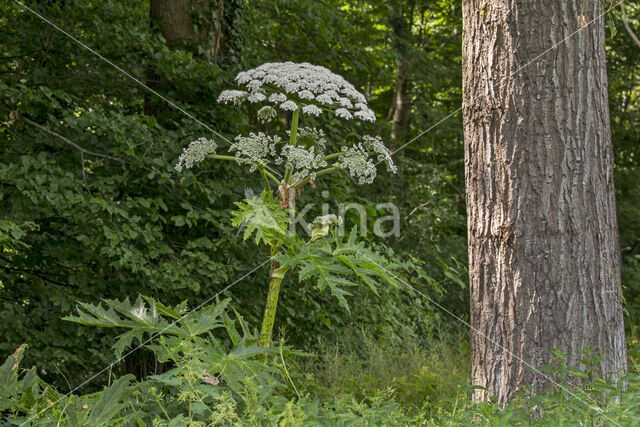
{"x": 220, "y": 157}
{"x": 333, "y": 155}
{"x": 275, "y": 279}
{"x": 266, "y": 181}
{"x": 294, "y": 127}
{"x": 272, "y": 177}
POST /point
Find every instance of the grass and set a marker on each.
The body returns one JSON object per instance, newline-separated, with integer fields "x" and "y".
{"x": 419, "y": 373}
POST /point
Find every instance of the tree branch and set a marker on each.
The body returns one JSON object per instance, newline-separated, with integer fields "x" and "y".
{"x": 627, "y": 26}
{"x": 15, "y": 115}
{"x": 37, "y": 273}
{"x": 389, "y": 115}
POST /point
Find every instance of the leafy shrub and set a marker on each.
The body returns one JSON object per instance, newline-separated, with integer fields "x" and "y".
{"x": 219, "y": 376}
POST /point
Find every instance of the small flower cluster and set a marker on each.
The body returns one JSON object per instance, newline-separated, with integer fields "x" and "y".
{"x": 195, "y": 153}
{"x": 306, "y": 87}
{"x": 320, "y": 226}
{"x": 356, "y": 160}
{"x": 304, "y": 161}
{"x": 375, "y": 145}
{"x": 235, "y": 97}
{"x": 266, "y": 114}
{"x": 254, "y": 149}
{"x": 329, "y": 219}
{"x": 311, "y": 137}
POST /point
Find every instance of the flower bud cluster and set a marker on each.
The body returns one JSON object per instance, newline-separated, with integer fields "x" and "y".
{"x": 303, "y": 161}
{"x": 329, "y": 219}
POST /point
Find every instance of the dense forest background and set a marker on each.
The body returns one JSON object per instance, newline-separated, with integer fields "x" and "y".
{"x": 91, "y": 206}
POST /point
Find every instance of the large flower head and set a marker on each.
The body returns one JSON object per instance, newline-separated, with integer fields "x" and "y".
{"x": 289, "y": 86}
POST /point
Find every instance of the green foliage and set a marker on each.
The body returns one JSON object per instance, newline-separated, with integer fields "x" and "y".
{"x": 423, "y": 373}
{"x": 94, "y": 227}
{"x": 329, "y": 262}
{"x": 25, "y": 398}
{"x": 11, "y": 234}
{"x": 333, "y": 263}
{"x": 220, "y": 377}
{"x": 262, "y": 216}
{"x": 214, "y": 379}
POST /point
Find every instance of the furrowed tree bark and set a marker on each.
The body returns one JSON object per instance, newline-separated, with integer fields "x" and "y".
{"x": 544, "y": 260}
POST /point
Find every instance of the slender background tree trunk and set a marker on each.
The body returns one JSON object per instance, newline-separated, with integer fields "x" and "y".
{"x": 401, "y": 40}
{"x": 544, "y": 261}
{"x": 175, "y": 21}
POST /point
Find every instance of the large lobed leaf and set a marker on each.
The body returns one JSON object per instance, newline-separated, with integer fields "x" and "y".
{"x": 337, "y": 264}
{"x": 263, "y": 217}
{"x": 150, "y": 318}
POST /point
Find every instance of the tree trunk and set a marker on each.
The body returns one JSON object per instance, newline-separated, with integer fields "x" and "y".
{"x": 400, "y": 123}
{"x": 401, "y": 40}
{"x": 544, "y": 261}
{"x": 175, "y": 20}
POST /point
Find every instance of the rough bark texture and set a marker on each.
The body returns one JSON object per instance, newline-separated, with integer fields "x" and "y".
{"x": 543, "y": 240}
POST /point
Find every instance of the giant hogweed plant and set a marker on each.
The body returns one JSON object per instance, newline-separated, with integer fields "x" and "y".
{"x": 290, "y": 163}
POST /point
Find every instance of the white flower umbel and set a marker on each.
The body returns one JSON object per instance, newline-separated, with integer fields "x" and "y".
{"x": 344, "y": 113}
{"x": 195, "y": 152}
{"x": 375, "y": 145}
{"x": 297, "y": 89}
{"x": 256, "y": 97}
{"x": 289, "y": 106}
{"x": 356, "y": 160}
{"x": 306, "y": 87}
{"x": 254, "y": 149}
{"x": 302, "y": 161}
{"x": 311, "y": 110}
{"x": 234, "y": 97}
{"x": 320, "y": 226}
{"x": 266, "y": 114}
{"x": 329, "y": 219}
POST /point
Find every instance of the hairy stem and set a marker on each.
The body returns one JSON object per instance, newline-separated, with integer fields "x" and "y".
{"x": 275, "y": 279}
